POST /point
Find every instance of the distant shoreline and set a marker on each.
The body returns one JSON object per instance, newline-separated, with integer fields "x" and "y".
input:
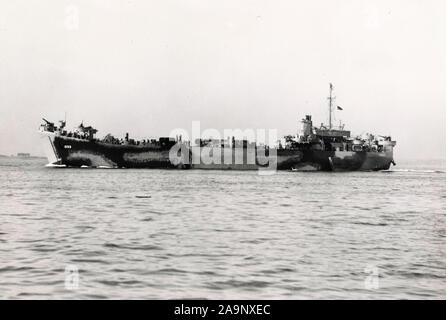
{"x": 22, "y": 157}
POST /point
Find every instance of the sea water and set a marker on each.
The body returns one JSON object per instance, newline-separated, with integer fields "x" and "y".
{"x": 195, "y": 234}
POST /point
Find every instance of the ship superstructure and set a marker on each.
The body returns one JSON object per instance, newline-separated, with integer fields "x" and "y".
{"x": 333, "y": 148}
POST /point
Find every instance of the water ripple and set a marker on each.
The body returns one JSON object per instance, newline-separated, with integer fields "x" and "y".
{"x": 167, "y": 234}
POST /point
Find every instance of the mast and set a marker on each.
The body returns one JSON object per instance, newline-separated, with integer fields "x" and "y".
{"x": 330, "y": 106}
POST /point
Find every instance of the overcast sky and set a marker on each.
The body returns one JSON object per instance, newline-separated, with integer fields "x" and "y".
{"x": 148, "y": 67}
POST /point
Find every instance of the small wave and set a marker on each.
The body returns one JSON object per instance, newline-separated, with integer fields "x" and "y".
{"x": 114, "y": 283}
{"x": 278, "y": 270}
{"x": 253, "y": 284}
{"x": 415, "y": 274}
{"x": 205, "y": 255}
{"x": 414, "y": 171}
{"x": 381, "y": 224}
{"x": 286, "y": 205}
{"x": 43, "y": 250}
{"x": 52, "y": 165}
{"x": 132, "y": 247}
{"x": 96, "y": 296}
{"x": 170, "y": 270}
{"x": 12, "y": 268}
{"x": 31, "y": 294}
{"x": 89, "y": 261}
{"x": 85, "y": 228}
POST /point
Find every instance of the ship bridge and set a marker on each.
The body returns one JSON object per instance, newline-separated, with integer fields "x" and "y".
{"x": 332, "y": 133}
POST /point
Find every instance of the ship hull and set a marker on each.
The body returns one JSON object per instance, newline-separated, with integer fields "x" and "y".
{"x": 244, "y": 158}
{"x": 47, "y": 141}
{"x": 318, "y": 160}
{"x": 376, "y": 161}
{"x": 73, "y": 152}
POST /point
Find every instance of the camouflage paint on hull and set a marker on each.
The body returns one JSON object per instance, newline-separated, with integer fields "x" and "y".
{"x": 73, "y": 152}
{"x": 376, "y": 161}
{"x": 288, "y": 158}
{"x": 347, "y": 160}
{"x": 245, "y": 158}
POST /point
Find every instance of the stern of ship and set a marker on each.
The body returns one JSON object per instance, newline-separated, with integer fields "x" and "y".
{"x": 376, "y": 161}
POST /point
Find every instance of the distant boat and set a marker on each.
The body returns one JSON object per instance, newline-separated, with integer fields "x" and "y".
{"x": 23, "y": 155}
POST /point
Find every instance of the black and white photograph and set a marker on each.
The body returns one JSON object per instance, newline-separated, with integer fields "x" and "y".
{"x": 237, "y": 150}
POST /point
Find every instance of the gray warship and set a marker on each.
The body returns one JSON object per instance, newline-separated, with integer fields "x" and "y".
{"x": 324, "y": 148}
